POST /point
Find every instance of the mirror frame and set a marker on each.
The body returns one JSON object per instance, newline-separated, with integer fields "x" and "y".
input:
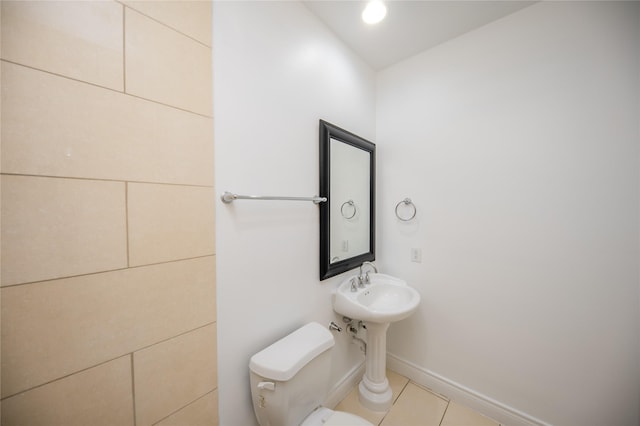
{"x": 329, "y": 131}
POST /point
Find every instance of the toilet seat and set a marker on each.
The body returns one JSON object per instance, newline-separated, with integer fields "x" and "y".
{"x": 323, "y": 416}
{"x": 340, "y": 418}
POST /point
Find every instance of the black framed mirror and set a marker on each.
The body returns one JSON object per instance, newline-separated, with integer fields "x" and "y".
{"x": 347, "y": 219}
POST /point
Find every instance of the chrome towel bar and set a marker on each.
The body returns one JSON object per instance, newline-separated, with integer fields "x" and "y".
{"x": 229, "y": 197}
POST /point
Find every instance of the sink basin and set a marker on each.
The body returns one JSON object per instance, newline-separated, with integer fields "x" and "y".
{"x": 386, "y": 299}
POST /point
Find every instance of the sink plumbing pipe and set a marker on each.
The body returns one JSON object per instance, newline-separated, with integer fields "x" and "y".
{"x": 334, "y": 326}
{"x": 354, "y": 329}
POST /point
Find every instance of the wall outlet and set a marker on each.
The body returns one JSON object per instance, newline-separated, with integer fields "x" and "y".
{"x": 416, "y": 255}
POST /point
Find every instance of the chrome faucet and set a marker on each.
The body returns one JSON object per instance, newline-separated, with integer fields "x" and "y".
{"x": 355, "y": 283}
{"x": 365, "y": 278}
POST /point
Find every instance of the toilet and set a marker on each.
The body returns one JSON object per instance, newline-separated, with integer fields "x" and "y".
{"x": 290, "y": 379}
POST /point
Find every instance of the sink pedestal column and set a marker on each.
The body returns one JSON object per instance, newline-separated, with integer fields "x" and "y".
{"x": 375, "y": 393}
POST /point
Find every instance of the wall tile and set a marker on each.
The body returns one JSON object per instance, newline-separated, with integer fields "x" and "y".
{"x": 192, "y": 18}
{"x": 54, "y": 328}
{"x": 99, "y": 396}
{"x": 169, "y": 222}
{"x": 81, "y": 40}
{"x": 171, "y": 374}
{"x": 0, "y": 30}
{"x": 64, "y": 116}
{"x": 59, "y": 127}
{"x": 202, "y": 412}
{"x": 165, "y": 66}
{"x": 55, "y": 227}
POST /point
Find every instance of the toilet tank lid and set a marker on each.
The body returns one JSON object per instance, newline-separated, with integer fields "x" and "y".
{"x": 283, "y": 359}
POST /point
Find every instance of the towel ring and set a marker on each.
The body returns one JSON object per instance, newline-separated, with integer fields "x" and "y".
{"x": 406, "y": 202}
{"x": 352, "y": 204}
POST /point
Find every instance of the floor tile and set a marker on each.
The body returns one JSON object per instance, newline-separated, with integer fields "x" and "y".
{"x": 459, "y": 415}
{"x": 397, "y": 383}
{"x": 416, "y": 407}
{"x": 352, "y": 405}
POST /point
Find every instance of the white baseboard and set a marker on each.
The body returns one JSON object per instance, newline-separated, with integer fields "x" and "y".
{"x": 483, "y": 404}
{"x": 346, "y": 385}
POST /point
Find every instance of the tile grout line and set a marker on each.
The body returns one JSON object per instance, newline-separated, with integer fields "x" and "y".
{"x": 394, "y": 402}
{"x": 4, "y": 398}
{"x": 107, "y": 361}
{"x": 107, "y": 180}
{"x": 108, "y": 270}
{"x": 185, "y": 406}
{"x": 199, "y": 114}
{"x": 401, "y": 391}
{"x": 124, "y": 51}
{"x": 445, "y": 412}
{"x": 165, "y": 25}
{"x": 176, "y": 336}
{"x": 126, "y": 220}
{"x": 354, "y": 410}
{"x": 133, "y": 389}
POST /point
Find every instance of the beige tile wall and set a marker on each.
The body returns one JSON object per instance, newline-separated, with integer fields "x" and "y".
{"x": 107, "y": 289}
{"x": 81, "y": 130}
{"x": 175, "y": 62}
{"x": 174, "y": 373}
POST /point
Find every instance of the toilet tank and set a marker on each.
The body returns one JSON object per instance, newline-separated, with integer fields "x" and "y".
{"x": 290, "y": 378}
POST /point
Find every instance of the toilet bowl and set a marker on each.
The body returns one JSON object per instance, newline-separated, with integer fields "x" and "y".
{"x": 290, "y": 379}
{"x": 322, "y": 416}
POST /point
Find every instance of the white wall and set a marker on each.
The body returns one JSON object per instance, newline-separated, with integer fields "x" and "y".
{"x": 277, "y": 71}
{"x": 519, "y": 144}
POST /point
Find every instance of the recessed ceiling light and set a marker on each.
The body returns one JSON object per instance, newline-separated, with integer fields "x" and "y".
{"x": 374, "y": 12}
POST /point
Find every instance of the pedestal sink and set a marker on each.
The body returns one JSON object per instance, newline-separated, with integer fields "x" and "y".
{"x": 384, "y": 300}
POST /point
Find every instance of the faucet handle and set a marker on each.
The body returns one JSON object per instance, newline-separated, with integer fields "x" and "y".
{"x": 354, "y": 280}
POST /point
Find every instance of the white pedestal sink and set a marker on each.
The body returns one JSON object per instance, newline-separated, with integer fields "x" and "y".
{"x": 384, "y": 300}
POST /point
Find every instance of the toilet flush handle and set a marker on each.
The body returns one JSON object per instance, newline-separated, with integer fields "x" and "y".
{"x": 267, "y": 385}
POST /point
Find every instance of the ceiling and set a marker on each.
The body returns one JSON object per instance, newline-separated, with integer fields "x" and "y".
{"x": 410, "y": 26}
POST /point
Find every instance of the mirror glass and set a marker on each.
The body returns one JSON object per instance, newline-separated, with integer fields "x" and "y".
{"x": 347, "y": 219}
{"x": 349, "y": 203}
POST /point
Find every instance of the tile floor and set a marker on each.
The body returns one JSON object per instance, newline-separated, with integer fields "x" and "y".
{"x": 415, "y": 406}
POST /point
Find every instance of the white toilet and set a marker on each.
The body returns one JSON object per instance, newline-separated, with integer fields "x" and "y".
{"x": 290, "y": 378}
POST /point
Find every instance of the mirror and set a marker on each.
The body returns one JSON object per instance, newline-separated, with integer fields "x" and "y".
{"x": 347, "y": 219}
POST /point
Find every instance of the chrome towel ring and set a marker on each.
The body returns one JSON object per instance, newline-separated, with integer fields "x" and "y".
{"x": 353, "y": 206}
{"x": 406, "y": 202}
